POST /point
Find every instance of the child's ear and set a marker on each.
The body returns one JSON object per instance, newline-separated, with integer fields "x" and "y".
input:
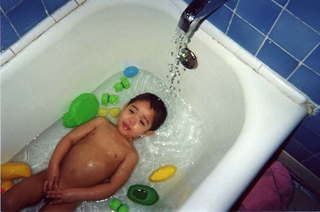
{"x": 149, "y": 132}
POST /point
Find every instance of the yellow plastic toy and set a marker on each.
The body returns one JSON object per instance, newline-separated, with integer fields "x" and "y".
{"x": 114, "y": 112}
{"x": 162, "y": 173}
{"x": 13, "y": 170}
{"x": 6, "y": 185}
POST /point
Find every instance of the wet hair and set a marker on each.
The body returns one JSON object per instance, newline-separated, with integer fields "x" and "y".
{"x": 156, "y": 104}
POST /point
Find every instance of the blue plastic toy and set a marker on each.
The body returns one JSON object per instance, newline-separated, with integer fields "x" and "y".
{"x": 130, "y": 71}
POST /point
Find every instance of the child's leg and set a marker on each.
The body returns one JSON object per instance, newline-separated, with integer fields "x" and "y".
{"x": 27, "y": 192}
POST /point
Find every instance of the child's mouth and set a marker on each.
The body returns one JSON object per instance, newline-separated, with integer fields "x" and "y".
{"x": 125, "y": 126}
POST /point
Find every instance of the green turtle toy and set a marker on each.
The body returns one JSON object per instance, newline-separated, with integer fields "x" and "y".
{"x": 82, "y": 109}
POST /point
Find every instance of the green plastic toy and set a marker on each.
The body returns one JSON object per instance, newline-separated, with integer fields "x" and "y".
{"x": 123, "y": 84}
{"x": 116, "y": 205}
{"x": 82, "y": 109}
{"x": 109, "y": 98}
{"x": 143, "y": 194}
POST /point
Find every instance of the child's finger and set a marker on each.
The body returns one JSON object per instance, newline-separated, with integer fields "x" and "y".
{"x": 55, "y": 202}
{"x": 45, "y": 184}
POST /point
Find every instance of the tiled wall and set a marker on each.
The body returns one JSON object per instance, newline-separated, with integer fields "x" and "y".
{"x": 284, "y": 34}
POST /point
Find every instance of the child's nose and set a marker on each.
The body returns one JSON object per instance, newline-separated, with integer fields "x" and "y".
{"x": 132, "y": 120}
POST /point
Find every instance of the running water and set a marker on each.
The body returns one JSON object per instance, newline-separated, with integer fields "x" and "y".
{"x": 180, "y": 41}
{"x": 177, "y": 142}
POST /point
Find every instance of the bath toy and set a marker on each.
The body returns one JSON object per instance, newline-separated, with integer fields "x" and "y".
{"x": 116, "y": 205}
{"x": 123, "y": 208}
{"x": 143, "y": 194}
{"x": 114, "y": 112}
{"x": 163, "y": 173}
{"x": 6, "y": 185}
{"x": 11, "y": 170}
{"x": 130, "y": 71}
{"x": 109, "y": 98}
{"x": 123, "y": 84}
{"x": 102, "y": 112}
{"x": 82, "y": 109}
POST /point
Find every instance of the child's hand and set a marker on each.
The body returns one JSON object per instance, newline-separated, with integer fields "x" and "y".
{"x": 52, "y": 181}
{"x": 63, "y": 196}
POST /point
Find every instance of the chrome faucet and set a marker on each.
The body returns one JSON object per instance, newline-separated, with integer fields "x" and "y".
{"x": 196, "y": 13}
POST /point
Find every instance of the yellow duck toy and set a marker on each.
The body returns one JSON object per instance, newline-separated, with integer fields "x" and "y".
{"x": 12, "y": 170}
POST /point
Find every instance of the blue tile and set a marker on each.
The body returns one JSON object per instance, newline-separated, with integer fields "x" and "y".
{"x": 307, "y": 10}
{"x": 282, "y": 2}
{"x": 313, "y": 164}
{"x": 294, "y": 36}
{"x": 312, "y": 122}
{"x": 308, "y": 139}
{"x": 260, "y": 14}
{"x": 27, "y": 15}
{"x": 52, "y": 6}
{"x": 297, "y": 150}
{"x": 8, "y": 35}
{"x": 245, "y": 35}
{"x": 221, "y": 18}
{"x": 231, "y": 3}
{"x": 308, "y": 82}
{"x": 7, "y": 5}
{"x": 277, "y": 59}
{"x": 314, "y": 60}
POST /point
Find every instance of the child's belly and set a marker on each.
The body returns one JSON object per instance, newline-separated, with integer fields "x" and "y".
{"x": 85, "y": 165}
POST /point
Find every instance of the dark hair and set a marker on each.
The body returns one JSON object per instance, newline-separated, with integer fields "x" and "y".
{"x": 156, "y": 104}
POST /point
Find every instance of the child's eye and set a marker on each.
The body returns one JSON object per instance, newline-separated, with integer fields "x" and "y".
{"x": 141, "y": 122}
{"x": 131, "y": 111}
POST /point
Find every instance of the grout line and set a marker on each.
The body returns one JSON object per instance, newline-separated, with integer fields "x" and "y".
{"x": 269, "y": 32}
{"x": 232, "y": 16}
{"x": 11, "y": 24}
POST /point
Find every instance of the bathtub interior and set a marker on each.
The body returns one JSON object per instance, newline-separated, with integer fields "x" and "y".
{"x": 77, "y": 58}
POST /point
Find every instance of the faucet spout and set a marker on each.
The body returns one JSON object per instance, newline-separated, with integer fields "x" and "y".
{"x": 196, "y": 13}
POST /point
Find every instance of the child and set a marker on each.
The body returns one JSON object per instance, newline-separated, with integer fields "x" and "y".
{"x": 88, "y": 156}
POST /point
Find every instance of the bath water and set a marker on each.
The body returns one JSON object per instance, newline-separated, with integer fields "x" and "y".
{"x": 176, "y": 70}
{"x": 176, "y": 143}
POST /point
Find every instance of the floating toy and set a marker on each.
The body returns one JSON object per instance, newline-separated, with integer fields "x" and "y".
{"x": 6, "y": 185}
{"x": 116, "y": 205}
{"x": 114, "y": 112}
{"x": 143, "y": 194}
{"x": 102, "y": 112}
{"x": 163, "y": 173}
{"x": 130, "y": 71}
{"x": 82, "y": 109}
{"x": 124, "y": 84}
{"x": 109, "y": 98}
{"x": 13, "y": 170}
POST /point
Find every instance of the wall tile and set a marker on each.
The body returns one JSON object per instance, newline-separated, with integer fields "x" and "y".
{"x": 277, "y": 59}
{"x": 282, "y": 2}
{"x": 289, "y": 32}
{"x": 312, "y": 122}
{"x": 261, "y": 14}
{"x": 297, "y": 150}
{"x": 313, "y": 164}
{"x": 27, "y": 15}
{"x": 245, "y": 35}
{"x": 52, "y": 6}
{"x": 308, "y": 82}
{"x": 314, "y": 60}
{"x": 8, "y": 35}
{"x": 307, "y": 10}
{"x": 308, "y": 139}
{"x": 221, "y": 18}
{"x": 231, "y": 3}
{"x": 7, "y": 5}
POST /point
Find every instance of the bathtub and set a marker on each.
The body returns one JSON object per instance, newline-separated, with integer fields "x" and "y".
{"x": 246, "y": 114}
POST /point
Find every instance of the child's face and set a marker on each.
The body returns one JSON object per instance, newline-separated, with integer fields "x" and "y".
{"x": 136, "y": 119}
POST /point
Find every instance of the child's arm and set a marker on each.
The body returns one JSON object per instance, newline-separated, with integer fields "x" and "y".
{"x": 63, "y": 147}
{"x": 100, "y": 191}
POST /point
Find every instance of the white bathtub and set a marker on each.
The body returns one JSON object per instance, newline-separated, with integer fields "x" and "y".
{"x": 246, "y": 117}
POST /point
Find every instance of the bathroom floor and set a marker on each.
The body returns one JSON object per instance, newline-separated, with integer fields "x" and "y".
{"x": 303, "y": 199}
